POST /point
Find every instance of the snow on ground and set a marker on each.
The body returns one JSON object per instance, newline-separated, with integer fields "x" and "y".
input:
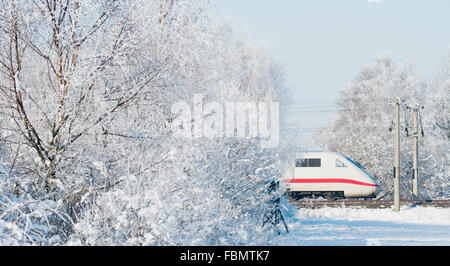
{"x": 360, "y": 227}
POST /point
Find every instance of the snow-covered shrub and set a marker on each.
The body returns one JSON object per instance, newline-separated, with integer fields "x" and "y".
{"x": 27, "y": 221}
{"x": 188, "y": 200}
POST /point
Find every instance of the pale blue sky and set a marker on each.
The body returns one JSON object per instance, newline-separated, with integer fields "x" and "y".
{"x": 323, "y": 43}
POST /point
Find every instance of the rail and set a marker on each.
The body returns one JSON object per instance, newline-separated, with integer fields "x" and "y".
{"x": 367, "y": 203}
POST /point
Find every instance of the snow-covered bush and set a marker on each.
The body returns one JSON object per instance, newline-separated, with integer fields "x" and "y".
{"x": 27, "y": 221}
{"x": 187, "y": 200}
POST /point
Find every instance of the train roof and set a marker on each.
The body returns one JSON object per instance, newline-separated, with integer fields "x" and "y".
{"x": 319, "y": 152}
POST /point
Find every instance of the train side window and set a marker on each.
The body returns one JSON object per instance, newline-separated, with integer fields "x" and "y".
{"x": 308, "y": 163}
{"x": 339, "y": 163}
{"x": 314, "y": 162}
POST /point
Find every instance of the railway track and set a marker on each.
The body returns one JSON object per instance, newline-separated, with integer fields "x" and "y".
{"x": 369, "y": 203}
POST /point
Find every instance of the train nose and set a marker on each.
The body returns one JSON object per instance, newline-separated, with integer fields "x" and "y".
{"x": 377, "y": 187}
{"x": 376, "y": 190}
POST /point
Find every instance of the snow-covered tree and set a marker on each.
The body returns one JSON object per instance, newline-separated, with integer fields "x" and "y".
{"x": 439, "y": 99}
{"x": 437, "y": 125}
{"x": 363, "y": 128}
{"x": 86, "y": 122}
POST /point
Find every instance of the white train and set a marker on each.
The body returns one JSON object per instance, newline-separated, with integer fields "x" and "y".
{"x": 330, "y": 174}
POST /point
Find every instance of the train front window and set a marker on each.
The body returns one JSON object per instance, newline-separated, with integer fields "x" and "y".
{"x": 301, "y": 163}
{"x": 308, "y": 162}
{"x": 340, "y": 163}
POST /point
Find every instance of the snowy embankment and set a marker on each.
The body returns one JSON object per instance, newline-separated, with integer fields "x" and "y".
{"x": 360, "y": 227}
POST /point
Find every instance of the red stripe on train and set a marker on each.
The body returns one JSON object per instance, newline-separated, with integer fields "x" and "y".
{"x": 328, "y": 180}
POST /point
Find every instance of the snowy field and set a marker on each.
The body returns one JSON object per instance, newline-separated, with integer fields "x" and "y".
{"x": 374, "y": 227}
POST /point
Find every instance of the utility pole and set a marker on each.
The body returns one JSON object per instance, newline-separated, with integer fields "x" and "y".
{"x": 397, "y": 156}
{"x": 416, "y": 150}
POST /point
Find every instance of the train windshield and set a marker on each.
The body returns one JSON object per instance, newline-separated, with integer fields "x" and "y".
{"x": 359, "y": 166}
{"x": 355, "y": 163}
